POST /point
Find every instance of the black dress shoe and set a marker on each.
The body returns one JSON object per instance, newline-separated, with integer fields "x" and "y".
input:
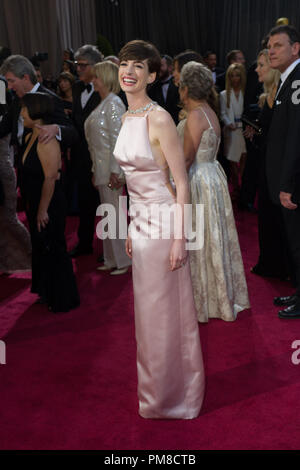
{"x": 286, "y": 301}
{"x": 293, "y": 311}
{"x": 79, "y": 251}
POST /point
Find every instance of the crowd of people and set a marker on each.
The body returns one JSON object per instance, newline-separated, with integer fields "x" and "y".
{"x": 80, "y": 147}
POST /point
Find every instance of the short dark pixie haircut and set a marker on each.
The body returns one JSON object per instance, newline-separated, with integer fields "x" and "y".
{"x": 292, "y": 32}
{"x": 142, "y": 50}
{"x": 187, "y": 56}
{"x": 39, "y": 105}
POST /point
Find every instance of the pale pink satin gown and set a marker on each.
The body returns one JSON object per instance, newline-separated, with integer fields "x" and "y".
{"x": 169, "y": 357}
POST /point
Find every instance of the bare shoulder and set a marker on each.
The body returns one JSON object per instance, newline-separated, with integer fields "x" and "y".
{"x": 197, "y": 119}
{"x": 160, "y": 117}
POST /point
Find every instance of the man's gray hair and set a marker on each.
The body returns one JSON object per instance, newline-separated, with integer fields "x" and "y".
{"x": 19, "y": 66}
{"x": 89, "y": 53}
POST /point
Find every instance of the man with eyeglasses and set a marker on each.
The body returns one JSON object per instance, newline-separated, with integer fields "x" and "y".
{"x": 21, "y": 78}
{"x": 85, "y": 100}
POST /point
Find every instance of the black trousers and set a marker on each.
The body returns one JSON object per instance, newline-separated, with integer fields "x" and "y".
{"x": 292, "y": 226}
{"x": 250, "y": 175}
{"x": 273, "y": 245}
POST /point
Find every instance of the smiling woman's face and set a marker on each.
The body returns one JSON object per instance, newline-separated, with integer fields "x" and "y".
{"x": 134, "y": 75}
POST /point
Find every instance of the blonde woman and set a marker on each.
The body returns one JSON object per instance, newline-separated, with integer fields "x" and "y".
{"x": 231, "y": 106}
{"x": 272, "y": 260}
{"x": 102, "y": 128}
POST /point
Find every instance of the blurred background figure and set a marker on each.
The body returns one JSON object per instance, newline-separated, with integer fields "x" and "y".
{"x": 232, "y": 105}
{"x": 273, "y": 258}
{"x": 102, "y": 128}
{"x": 184, "y": 58}
{"x": 282, "y": 21}
{"x": 65, "y": 84}
{"x": 164, "y": 91}
{"x": 219, "y": 284}
{"x": 15, "y": 246}
{"x": 53, "y": 279}
{"x": 39, "y": 75}
{"x": 112, "y": 58}
{"x": 210, "y": 59}
{"x": 85, "y": 100}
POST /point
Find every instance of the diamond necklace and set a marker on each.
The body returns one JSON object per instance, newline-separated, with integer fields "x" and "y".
{"x": 141, "y": 110}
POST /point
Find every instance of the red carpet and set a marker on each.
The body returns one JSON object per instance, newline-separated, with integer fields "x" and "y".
{"x": 69, "y": 381}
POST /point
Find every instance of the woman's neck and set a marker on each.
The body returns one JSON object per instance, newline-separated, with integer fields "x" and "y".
{"x": 194, "y": 104}
{"x": 103, "y": 94}
{"x": 36, "y": 130}
{"x": 236, "y": 88}
{"x": 68, "y": 94}
{"x": 137, "y": 101}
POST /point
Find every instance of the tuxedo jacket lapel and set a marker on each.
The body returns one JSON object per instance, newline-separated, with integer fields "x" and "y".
{"x": 91, "y": 104}
{"x": 288, "y": 83}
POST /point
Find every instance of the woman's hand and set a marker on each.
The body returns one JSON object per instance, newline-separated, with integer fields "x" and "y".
{"x": 42, "y": 219}
{"x": 231, "y": 127}
{"x": 249, "y": 133}
{"x": 128, "y": 247}
{"x": 178, "y": 254}
{"x": 114, "y": 182}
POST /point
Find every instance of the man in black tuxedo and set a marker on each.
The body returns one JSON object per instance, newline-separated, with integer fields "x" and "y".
{"x": 164, "y": 92}
{"x": 283, "y": 155}
{"x": 21, "y": 78}
{"x": 210, "y": 59}
{"x": 85, "y": 100}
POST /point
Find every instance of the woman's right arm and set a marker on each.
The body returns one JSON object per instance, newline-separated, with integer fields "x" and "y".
{"x": 224, "y": 112}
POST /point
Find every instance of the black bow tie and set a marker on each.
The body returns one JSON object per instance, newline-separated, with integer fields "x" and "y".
{"x": 88, "y": 88}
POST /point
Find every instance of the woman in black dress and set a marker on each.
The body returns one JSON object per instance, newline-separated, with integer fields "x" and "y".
{"x": 52, "y": 271}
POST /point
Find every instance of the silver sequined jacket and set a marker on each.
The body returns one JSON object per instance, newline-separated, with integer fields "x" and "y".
{"x": 102, "y": 128}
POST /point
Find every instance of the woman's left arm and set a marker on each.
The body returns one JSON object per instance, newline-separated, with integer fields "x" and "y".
{"x": 163, "y": 131}
{"x": 49, "y": 155}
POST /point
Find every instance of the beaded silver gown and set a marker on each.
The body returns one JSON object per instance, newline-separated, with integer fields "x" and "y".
{"x": 218, "y": 277}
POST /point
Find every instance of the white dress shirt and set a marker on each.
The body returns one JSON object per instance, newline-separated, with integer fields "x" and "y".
{"x": 85, "y": 96}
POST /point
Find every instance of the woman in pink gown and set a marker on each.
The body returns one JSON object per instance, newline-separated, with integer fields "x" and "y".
{"x": 169, "y": 358}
